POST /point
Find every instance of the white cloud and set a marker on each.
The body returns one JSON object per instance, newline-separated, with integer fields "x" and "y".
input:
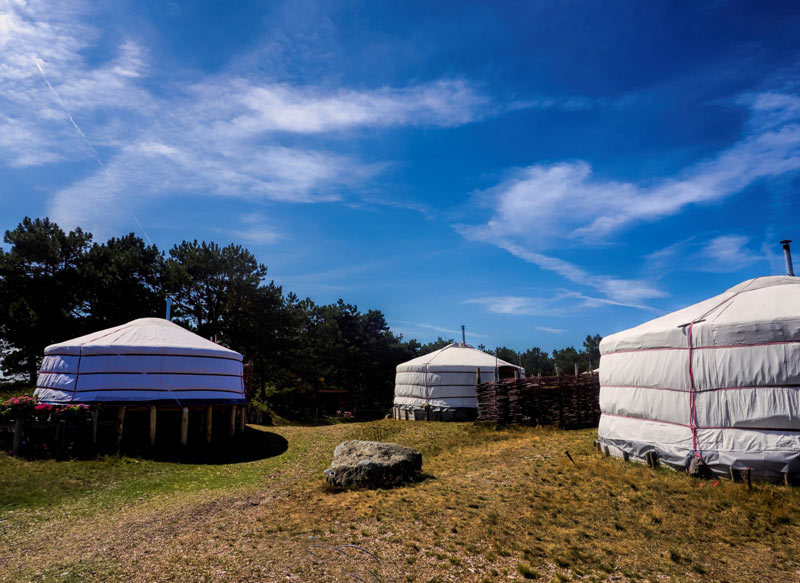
{"x": 544, "y": 204}
{"x": 551, "y": 330}
{"x": 224, "y": 135}
{"x": 450, "y": 331}
{"x": 718, "y": 254}
{"x": 562, "y": 302}
{"x": 540, "y": 206}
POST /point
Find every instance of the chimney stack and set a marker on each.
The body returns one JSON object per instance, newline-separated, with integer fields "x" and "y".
{"x": 463, "y": 335}
{"x": 787, "y": 255}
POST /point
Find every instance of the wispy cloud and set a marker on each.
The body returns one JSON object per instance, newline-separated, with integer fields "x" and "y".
{"x": 551, "y": 330}
{"x": 222, "y": 135}
{"x": 537, "y": 207}
{"x": 542, "y": 204}
{"x": 449, "y": 331}
{"x": 716, "y": 254}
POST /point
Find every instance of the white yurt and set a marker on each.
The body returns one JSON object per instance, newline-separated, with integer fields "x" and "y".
{"x": 718, "y": 381}
{"x": 148, "y": 360}
{"x": 441, "y": 385}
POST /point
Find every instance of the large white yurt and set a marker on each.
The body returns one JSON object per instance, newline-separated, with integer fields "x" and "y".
{"x": 441, "y": 385}
{"x": 148, "y": 360}
{"x": 719, "y": 381}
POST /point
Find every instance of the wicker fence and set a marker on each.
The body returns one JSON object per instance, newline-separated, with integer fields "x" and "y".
{"x": 566, "y": 401}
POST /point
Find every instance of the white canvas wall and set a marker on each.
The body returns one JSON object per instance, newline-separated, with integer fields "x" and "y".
{"x": 744, "y": 352}
{"x": 145, "y": 360}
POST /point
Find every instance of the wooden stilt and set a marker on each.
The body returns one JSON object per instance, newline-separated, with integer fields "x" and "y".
{"x": 243, "y": 418}
{"x": 153, "y": 416}
{"x": 184, "y": 426}
{"x": 232, "y": 427}
{"x": 209, "y": 422}
{"x": 17, "y": 436}
{"x": 95, "y": 421}
{"x": 120, "y": 424}
{"x": 749, "y": 483}
{"x": 61, "y": 430}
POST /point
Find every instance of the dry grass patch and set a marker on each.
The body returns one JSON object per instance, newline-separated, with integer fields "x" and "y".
{"x": 498, "y": 505}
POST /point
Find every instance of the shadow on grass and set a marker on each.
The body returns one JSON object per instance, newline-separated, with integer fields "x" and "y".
{"x": 252, "y": 445}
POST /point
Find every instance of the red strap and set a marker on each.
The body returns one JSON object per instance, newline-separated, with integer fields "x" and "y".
{"x": 692, "y": 403}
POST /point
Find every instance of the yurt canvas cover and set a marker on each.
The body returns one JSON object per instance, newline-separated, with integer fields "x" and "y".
{"x": 441, "y": 384}
{"x": 149, "y": 359}
{"x": 718, "y": 380}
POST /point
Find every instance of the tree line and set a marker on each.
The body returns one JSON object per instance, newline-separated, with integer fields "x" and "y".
{"x": 56, "y": 285}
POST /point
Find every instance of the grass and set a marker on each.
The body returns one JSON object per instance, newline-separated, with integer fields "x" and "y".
{"x": 499, "y": 504}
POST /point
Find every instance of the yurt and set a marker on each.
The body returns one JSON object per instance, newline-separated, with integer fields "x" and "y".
{"x": 441, "y": 385}
{"x": 718, "y": 381}
{"x": 148, "y": 360}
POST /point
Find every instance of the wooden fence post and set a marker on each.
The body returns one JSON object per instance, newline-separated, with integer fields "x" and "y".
{"x": 17, "y": 436}
{"x": 243, "y": 418}
{"x": 153, "y": 416}
{"x": 120, "y": 424}
{"x": 209, "y": 422}
{"x": 95, "y": 421}
{"x": 232, "y": 426}
{"x": 184, "y": 426}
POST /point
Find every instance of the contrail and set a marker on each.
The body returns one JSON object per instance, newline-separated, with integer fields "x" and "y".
{"x": 69, "y": 115}
{"x": 84, "y": 137}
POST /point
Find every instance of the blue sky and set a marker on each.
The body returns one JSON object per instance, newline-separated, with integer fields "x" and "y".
{"x": 536, "y": 171}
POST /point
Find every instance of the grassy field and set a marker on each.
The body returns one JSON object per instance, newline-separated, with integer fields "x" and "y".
{"x": 497, "y": 505}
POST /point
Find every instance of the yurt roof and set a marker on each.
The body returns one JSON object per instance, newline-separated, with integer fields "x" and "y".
{"x": 457, "y": 354}
{"x": 756, "y": 310}
{"x": 143, "y": 336}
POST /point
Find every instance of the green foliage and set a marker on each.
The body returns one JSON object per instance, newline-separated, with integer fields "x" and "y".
{"x": 40, "y": 285}
{"x": 56, "y": 285}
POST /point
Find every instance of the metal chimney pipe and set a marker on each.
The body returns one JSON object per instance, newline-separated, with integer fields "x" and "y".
{"x": 787, "y": 256}
{"x": 169, "y": 308}
{"x": 463, "y": 335}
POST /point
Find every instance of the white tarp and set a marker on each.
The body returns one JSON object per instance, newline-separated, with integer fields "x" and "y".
{"x": 445, "y": 379}
{"x": 719, "y": 379}
{"x": 149, "y": 359}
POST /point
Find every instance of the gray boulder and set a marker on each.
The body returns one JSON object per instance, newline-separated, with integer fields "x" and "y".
{"x": 373, "y": 464}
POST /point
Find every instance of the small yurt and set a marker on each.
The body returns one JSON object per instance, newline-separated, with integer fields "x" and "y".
{"x": 149, "y": 360}
{"x": 718, "y": 381}
{"x": 441, "y": 385}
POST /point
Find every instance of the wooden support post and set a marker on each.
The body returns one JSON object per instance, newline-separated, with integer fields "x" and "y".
{"x": 184, "y": 426}
{"x": 626, "y": 456}
{"x": 576, "y": 370}
{"x": 61, "y": 430}
{"x": 17, "y": 436}
{"x": 243, "y": 418}
{"x": 606, "y": 451}
{"x": 153, "y": 417}
{"x": 749, "y": 484}
{"x": 209, "y": 422}
{"x": 786, "y": 480}
{"x": 732, "y": 473}
{"x": 95, "y": 421}
{"x": 232, "y": 426}
{"x": 516, "y": 374}
{"x": 120, "y": 424}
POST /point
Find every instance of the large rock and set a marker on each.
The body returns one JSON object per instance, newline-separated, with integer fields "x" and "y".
{"x": 373, "y": 464}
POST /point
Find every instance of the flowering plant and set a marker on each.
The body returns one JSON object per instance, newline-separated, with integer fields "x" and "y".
{"x": 25, "y": 405}
{"x": 17, "y": 405}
